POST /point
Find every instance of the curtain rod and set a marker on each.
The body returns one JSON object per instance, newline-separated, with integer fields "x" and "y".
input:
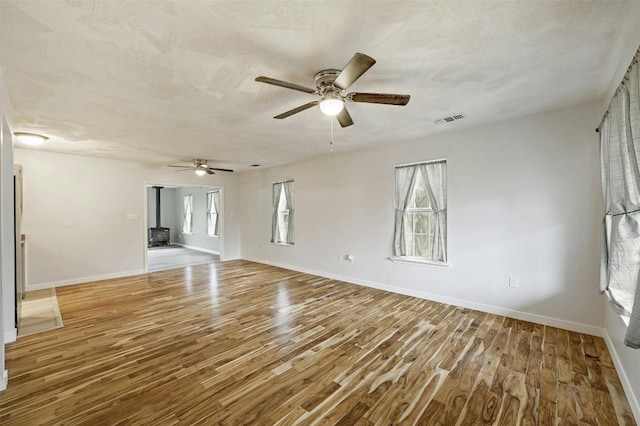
{"x": 634, "y": 61}
{"x": 441, "y": 160}
{"x": 283, "y": 181}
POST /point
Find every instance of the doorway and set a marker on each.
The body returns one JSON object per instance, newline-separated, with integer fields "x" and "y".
{"x": 184, "y": 225}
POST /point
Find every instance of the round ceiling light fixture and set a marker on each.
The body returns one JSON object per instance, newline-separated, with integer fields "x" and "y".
{"x": 30, "y": 138}
{"x": 331, "y": 104}
{"x": 201, "y": 172}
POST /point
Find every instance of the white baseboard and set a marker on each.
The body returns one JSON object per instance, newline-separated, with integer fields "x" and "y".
{"x": 497, "y": 310}
{"x": 197, "y": 248}
{"x": 4, "y": 380}
{"x": 83, "y": 280}
{"x": 626, "y": 384}
{"x": 11, "y": 335}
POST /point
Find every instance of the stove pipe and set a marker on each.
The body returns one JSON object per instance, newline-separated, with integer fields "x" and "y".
{"x": 158, "y": 188}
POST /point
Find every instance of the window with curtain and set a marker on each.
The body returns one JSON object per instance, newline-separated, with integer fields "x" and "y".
{"x": 282, "y": 223}
{"x": 420, "y": 232}
{"x": 213, "y": 207}
{"x": 619, "y": 151}
{"x": 187, "y": 223}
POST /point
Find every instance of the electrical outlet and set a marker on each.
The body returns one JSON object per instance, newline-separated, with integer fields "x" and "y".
{"x": 348, "y": 258}
{"x": 513, "y": 282}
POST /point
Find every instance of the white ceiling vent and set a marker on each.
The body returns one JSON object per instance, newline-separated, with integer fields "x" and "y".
{"x": 449, "y": 119}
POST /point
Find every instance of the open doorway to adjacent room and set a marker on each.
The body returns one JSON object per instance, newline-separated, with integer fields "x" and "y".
{"x": 184, "y": 226}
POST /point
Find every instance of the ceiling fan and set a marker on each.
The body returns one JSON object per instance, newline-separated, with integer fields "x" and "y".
{"x": 330, "y": 86}
{"x": 201, "y": 168}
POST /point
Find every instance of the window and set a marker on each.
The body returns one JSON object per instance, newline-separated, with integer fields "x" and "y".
{"x": 282, "y": 226}
{"x": 213, "y": 207}
{"x": 187, "y": 224}
{"x": 421, "y": 212}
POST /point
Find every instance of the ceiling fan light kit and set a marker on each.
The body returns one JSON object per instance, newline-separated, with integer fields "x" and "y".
{"x": 331, "y": 104}
{"x": 31, "y": 139}
{"x": 331, "y": 83}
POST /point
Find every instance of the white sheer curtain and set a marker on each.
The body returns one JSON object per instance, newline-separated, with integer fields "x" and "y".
{"x": 435, "y": 174}
{"x": 288, "y": 192}
{"x": 188, "y": 213}
{"x": 216, "y": 206}
{"x": 213, "y": 209}
{"x": 277, "y": 191}
{"x": 405, "y": 182}
{"x": 619, "y": 149}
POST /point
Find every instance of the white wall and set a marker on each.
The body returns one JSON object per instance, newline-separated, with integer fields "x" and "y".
{"x": 524, "y": 200}
{"x": 96, "y": 195}
{"x": 8, "y": 331}
{"x": 7, "y": 231}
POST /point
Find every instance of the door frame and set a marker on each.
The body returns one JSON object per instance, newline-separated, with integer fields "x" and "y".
{"x": 221, "y": 215}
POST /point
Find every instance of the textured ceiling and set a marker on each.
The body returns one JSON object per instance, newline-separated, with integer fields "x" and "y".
{"x": 165, "y": 81}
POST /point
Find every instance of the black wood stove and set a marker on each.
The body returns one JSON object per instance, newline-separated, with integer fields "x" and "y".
{"x": 158, "y": 236}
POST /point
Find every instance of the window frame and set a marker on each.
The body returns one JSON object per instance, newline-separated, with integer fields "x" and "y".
{"x": 277, "y": 212}
{"x": 412, "y": 258}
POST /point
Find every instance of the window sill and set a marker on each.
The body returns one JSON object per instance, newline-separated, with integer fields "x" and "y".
{"x": 212, "y": 236}
{"x": 418, "y": 261}
{"x": 186, "y": 233}
{"x": 283, "y": 244}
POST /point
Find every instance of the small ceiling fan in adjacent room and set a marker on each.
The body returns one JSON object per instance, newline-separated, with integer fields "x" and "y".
{"x": 201, "y": 168}
{"x": 330, "y": 86}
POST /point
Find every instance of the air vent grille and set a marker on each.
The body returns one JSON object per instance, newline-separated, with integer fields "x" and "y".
{"x": 450, "y": 119}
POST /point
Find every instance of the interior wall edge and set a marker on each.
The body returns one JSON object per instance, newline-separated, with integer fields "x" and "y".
{"x": 491, "y": 309}
{"x": 624, "y": 379}
{"x": 4, "y": 380}
{"x": 10, "y": 335}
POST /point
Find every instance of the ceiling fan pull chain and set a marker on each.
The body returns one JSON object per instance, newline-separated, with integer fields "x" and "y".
{"x": 331, "y": 142}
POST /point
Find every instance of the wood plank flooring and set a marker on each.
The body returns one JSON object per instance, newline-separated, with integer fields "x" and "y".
{"x": 243, "y": 343}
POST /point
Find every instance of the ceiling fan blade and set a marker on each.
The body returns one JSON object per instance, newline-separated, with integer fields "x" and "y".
{"x": 285, "y": 84}
{"x": 221, "y": 170}
{"x": 182, "y": 167}
{"x": 344, "y": 118}
{"x": 209, "y": 171}
{"x": 358, "y": 65}
{"x": 379, "y": 98}
{"x": 296, "y": 110}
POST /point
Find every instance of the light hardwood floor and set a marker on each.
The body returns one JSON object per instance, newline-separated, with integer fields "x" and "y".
{"x": 171, "y": 257}
{"x": 243, "y": 343}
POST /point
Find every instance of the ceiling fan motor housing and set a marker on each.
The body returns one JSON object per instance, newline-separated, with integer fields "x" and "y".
{"x": 324, "y": 81}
